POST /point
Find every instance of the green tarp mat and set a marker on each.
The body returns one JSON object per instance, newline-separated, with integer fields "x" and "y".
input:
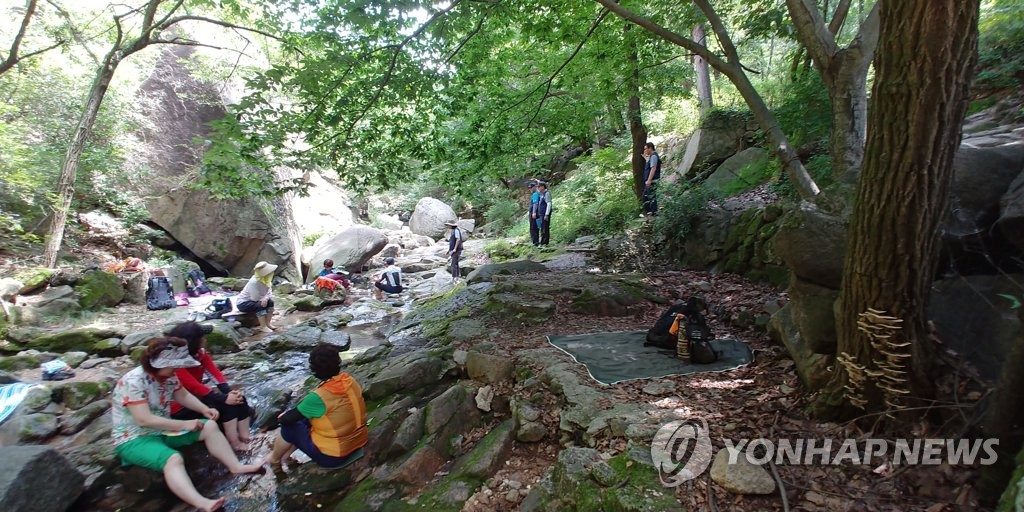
{"x": 612, "y": 357}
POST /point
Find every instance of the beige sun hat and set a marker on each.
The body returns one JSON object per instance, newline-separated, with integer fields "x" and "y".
{"x": 174, "y": 357}
{"x": 264, "y": 269}
{"x": 452, "y": 223}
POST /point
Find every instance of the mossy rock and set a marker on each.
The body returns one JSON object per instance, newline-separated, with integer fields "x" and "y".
{"x": 223, "y": 340}
{"x": 81, "y": 338}
{"x": 18, "y": 363}
{"x": 33, "y": 278}
{"x": 229, "y": 283}
{"x": 136, "y": 353}
{"x": 107, "y": 347}
{"x": 76, "y": 395}
{"x": 98, "y": 289}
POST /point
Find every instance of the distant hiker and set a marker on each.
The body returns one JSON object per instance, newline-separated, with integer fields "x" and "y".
{"x": 389, "y": 280}
{"x": 231, "y": 405}
{"x": 544, "y": 212}
{"x": 329, "y": 424}
{"x": 652, "y": 173}
{"x": 455, "y": 240}
{"x": 144, "y": 433}
{"x": 532, "y": 213}
{"x": 257, "y": 296}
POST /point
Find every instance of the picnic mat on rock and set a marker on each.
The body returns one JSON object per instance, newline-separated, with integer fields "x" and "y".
{"x": 612, "y": 357}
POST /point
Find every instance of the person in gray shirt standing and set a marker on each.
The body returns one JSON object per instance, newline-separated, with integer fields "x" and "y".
{"x": 652, "y": 173}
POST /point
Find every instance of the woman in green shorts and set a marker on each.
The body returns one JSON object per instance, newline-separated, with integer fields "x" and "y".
{"x": 145, "y": 435}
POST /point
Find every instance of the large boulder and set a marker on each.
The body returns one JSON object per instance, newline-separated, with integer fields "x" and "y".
{"x": 812, "y": 367}
{"x": 350, "y": 249}
{"x": 56, "y": 302}
{"x": 232, "y": 236}
{"x": 720, "y": 136}
{"x": 1011, "y": 213}
{"x": 322, "y": 211}
{"x": 976, "y": 317}
{"x": 981, "y": 176}
{"x": 812, "y": 310}
{"x": 98, "y": 289}
{"x": 730, "y": 169}
{"x": 812, "y": 243}
{"x": 429, "y": 216}
{"x": 37, "y": 479}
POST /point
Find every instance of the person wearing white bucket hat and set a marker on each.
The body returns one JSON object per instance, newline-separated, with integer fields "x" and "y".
{"x": 144, "y": 434}
{"x": 257, "y": 296}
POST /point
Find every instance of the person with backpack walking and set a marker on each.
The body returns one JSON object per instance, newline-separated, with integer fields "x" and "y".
{"x": 257, "y": 296}
{"x": 652, "y": 173}
{"x": 455, "y": 241}
{"x": 544, "y": 213}
{"x": 230, "y": 403}
{"x": 531, "y": 214}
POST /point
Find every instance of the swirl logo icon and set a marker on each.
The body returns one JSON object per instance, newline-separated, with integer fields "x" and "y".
{"x": 681, "y": 450}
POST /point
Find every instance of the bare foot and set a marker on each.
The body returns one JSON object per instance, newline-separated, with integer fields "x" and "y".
{"x": 240, "y": 446}
{"x": 214, "y": 505}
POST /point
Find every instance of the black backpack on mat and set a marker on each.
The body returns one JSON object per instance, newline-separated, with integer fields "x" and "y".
{"x": 658, "y": 335}
{"x": 160, "y": 294}
{"x": 698, "y": 332}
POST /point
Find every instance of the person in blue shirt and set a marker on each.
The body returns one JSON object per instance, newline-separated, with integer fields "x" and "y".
{"x": 455, "y": 240}
{"x": 543, "y": 210}
{"x": 652, "y": 173}
{"x": 532, "y": 213}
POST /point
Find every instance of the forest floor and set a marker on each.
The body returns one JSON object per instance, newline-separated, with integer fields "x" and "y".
{"x": 761, "y": 400}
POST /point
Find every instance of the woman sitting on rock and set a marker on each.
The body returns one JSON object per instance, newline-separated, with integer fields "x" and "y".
{"x": 230, "y": 404}
{"x": 145, "y": 435}
{"x": 329, "y": 424}
{"x": 257, "y": 296}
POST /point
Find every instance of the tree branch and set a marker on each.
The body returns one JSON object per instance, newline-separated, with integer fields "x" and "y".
{"x": 12, "y": 54}
{"x": 720, "y": 31}
{"x": 75, "y": 32}
{"x": 479, "y": 25}
{"x": 389, "y": 73}
{"x": 819, "y": 40}
{"x": 551, "y": 79}
{"x": 839, "y": 17}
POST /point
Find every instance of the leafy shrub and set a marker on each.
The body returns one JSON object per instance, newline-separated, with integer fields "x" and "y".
{"x": 597, "y": 199}
{"x": 1001, "y": 45}
{"x": 805, "y": 111}
{"x": 310, "y": 239}
{"x": 678, "y": 208}
{"x": 503, "y": 213}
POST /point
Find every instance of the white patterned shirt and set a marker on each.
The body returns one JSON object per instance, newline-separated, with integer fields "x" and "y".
{"x": 138, "y": 387}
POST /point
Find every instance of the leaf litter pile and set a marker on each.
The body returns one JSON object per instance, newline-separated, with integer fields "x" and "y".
{"x": 762, "y": 400}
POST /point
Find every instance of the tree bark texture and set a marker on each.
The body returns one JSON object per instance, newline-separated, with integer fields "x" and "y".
{"x": 700, "y": 69}
{"x": 637, "y": 130}
{"x": 69, "y": 168}
{"x": 924, "y": 61}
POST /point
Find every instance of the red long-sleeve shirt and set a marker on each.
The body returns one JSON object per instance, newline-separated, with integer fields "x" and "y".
{"x": 192, "y": 378}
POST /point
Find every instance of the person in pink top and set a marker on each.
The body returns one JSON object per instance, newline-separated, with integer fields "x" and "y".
{"x": 230, "y": 403}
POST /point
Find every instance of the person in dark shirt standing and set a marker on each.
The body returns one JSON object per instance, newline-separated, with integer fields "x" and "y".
{"x": 652, "y": 173}
{"x": 544, "y": 213}
{"x": 455, "y": 240}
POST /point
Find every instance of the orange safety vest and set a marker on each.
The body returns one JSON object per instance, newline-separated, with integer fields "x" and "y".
{"x": 342, "y": 428}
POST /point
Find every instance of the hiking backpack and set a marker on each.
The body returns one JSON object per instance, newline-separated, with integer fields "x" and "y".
{"x": 217, "y": 308}
{"x": 160, "y": 294}
{"x": 698, "y": 334}
{"x": 195, "y": 283}
{"x": 659, "y": 335}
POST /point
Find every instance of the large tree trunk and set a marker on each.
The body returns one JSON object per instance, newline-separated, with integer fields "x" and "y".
{"x": 637, "y": 131}
{"x": 69, "y": 169}
{"x": 700, "y": 69}
{"x": 923, "y": 68}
